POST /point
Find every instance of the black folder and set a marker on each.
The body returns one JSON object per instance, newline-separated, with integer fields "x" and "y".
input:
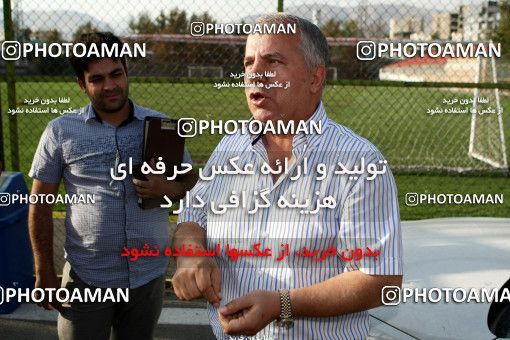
{"x": 160, "y": 139}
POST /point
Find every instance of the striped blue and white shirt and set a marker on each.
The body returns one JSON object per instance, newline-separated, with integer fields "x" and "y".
{"x": 366, "y": 215}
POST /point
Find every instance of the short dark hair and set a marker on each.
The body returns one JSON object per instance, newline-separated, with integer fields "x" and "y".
{"x": 81, "y": 64}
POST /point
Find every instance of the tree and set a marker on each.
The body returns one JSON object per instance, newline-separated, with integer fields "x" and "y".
{"x": 54, "y": 36}
{"x": 144, "y": 24}
{"x": 502, "y": 33}
{"x": 343, "y": 57}
{"x": 24, "y": 34}
{"x": 21, "y": 34}
{"x": 85, "y": 28}
{"x": 52, "y": 65}
{"x": 175, "y": 57}
{"x": 332, "y": 28}
{"x": 350, "y": 29}
{"x": 177, "y": 22}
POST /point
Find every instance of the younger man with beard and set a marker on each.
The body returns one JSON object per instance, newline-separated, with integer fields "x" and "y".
{"x": 81, "y": 149}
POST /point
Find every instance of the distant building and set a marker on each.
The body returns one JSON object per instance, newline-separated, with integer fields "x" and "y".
{"x": 402, "y": 28}
{"x": 470, "y": 23}
{"x": 454, "y": 23}
{"x": 488, "y": 19}
{"x": 444, "y": 24}
{"x": 456, "y": 36}
{"x": 420, "y": 36}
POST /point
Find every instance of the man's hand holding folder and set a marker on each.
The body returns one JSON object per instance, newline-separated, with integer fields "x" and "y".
{"x": 153, "y": 186}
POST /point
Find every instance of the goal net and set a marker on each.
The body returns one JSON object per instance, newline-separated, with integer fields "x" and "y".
{"x": 487, "y": 139}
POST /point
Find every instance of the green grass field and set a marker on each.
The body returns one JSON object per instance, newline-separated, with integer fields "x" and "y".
{"x": 393, "y": 118}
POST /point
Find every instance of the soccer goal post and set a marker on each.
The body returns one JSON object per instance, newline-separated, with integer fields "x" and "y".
{"x": 487, "y": 138}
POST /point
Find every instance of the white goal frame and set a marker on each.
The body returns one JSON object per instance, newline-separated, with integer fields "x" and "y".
{"x": 472, "y": 153}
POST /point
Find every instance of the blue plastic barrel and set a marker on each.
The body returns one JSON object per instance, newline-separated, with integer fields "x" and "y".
{"x": 16, "y": 262}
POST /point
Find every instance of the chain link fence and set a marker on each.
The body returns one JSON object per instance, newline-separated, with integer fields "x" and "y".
{"x": 399, "y": 103}
{"x": 425, "y": 113}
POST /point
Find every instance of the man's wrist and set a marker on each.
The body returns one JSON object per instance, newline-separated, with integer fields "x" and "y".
{"x": 46, "y": 269}
{"x": 190, "y": 261}
{"x": 275, "y": 305}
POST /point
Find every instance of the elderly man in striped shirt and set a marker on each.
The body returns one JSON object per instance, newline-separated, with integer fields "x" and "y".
{"x": 294, "y": 297}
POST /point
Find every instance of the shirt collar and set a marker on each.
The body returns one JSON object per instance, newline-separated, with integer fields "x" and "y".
{"x": 89, "y": 113}
{"x": 319, "y": 117}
